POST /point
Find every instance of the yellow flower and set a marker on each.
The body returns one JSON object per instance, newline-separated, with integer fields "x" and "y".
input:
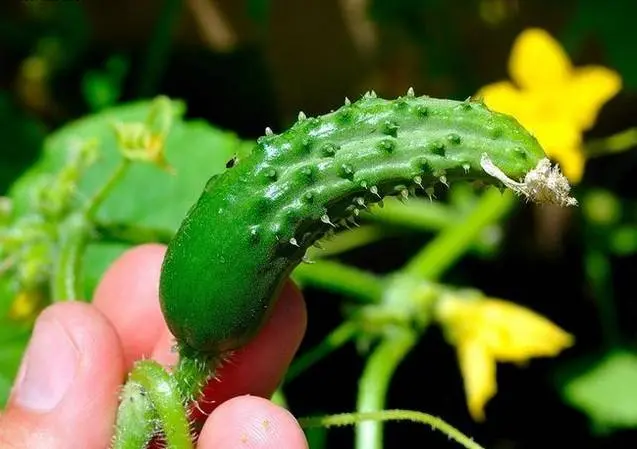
{"x": 26, "y": 305}
{"x": 552, "y": 99}
{"x": 485, "y": 331}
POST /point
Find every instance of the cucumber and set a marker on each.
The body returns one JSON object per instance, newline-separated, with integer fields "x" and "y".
{"x": 253, "y": 223}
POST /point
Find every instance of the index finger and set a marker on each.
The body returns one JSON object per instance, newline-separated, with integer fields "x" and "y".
{"x": 128, "y": 296}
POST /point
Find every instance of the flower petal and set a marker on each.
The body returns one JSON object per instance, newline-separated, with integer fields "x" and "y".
{"x": 562, "y": 142}
{"x": 589, "y": 88}
{"x": 478, "y": 372}
{"x": 516, "y": 334}
{"x": 26, "y": 305}
{"x": 487, "y": 330}
{"x": 538, "y": 61}
{"x": 503, "y": 97}
{"x": 572, "y": 162}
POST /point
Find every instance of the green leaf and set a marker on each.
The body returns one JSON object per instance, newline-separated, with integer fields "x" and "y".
{"x": 605, "y": 389}
{"x": 13, "y": 341}
{"x": 147, "y": 196}
{"x": 98, "y": 257}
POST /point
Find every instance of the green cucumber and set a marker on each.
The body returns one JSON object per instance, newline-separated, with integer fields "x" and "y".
{"x": 253, "y": 223}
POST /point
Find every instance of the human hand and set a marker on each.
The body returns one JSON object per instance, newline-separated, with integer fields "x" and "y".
{"x": 66, "y": 393}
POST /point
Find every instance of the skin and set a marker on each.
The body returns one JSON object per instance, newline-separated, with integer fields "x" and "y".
{"x": 124, "y": 323}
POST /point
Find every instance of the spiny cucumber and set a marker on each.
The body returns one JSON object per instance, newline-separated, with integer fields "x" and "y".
{"x": 252, "y": 224}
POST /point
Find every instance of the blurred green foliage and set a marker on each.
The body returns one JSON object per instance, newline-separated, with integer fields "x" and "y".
{"x": 160, "y": 201}
{"x": 22, "y": 137}
{"x": 61, "y": 61}
{"x": 604, "y": 388}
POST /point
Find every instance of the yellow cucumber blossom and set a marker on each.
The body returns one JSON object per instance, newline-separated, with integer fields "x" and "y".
{"x": 550, "y": 97}
{"x": 485, "y": 331}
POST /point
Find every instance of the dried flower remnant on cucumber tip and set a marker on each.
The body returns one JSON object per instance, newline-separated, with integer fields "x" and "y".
{"x": 544, "y": 184}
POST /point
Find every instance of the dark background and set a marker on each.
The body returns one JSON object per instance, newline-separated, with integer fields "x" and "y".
{"x": 264, "y": 62}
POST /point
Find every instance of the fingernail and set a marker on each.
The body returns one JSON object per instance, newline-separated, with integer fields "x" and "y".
{"x": 48, "y": 368}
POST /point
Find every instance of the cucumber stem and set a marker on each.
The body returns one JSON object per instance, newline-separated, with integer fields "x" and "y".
{"x": 152, "y": 395}
{"x": 136, "y": 418}
{"x": 158, "y": 391}
{"x": 192, "y": 373}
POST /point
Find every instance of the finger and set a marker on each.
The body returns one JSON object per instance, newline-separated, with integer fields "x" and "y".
{"x": 70, "y": 374}
{"x": 249, "y": 422}
{"x": 128, "y": 297}
{"x": 259, "y": 367}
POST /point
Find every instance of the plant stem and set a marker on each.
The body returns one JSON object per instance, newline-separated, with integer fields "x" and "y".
{"x": 339, "y": 278}
{"x": 154, "y": 402}
{"x": 352, "y": 239}
{"x": 192, "y": 373}
{"x": 279, "y": 398}
{"x": 66, "y": 278}
{"x": 616, "y": 143}
{"x": 136, "y": 418}
{"x": 418, "y": 214}
{"x": 131, "y": 233}
{"x": 345, "y": 419}
{"x": 73, "y": 238}
{"x": 450, "y": 244}
{"x": 96, "y": 201}
{"x": 599, "y": 274}
{"x": 374, "y": 383}
{"x": 159, "y": 49}
{"x": 160, "y": 390}
{"x": 337, "y": 338}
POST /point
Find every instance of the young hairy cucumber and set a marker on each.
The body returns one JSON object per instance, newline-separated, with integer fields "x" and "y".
{"x": 253, "y": 223}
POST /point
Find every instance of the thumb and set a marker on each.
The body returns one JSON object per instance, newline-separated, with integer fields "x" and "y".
{"x": 66, "y": 391}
